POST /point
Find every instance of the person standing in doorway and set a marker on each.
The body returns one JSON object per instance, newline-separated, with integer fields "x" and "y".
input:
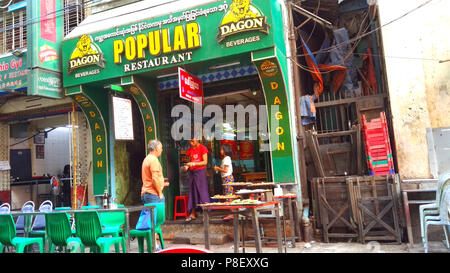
{"x": 198, "y": 185}
{"x": 152, "y": 176}
{"x": 66, "y": 187}
{"x": 226, "y": 172}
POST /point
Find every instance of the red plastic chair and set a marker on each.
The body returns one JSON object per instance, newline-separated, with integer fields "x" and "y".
{"x": 183, "y": 207}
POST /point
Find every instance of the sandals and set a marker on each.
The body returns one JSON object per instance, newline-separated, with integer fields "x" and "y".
{"x": 228, "y": 218}
{"x": 189, "y": 219}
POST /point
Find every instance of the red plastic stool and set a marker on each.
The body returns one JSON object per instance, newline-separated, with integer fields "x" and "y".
{"x": 184, "y": 201}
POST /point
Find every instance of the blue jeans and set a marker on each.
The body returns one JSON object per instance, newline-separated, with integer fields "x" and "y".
{"x": 152, "y": 198}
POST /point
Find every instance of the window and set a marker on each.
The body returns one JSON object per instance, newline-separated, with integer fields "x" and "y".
{"x": 13, "y": 28}
{"x": 75, "y": 12}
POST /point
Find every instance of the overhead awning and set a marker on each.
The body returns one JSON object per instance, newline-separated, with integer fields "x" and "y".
{"x": 134, "y": 12}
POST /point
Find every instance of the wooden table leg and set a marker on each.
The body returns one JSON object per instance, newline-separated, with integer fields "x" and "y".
{"x": 284, "y": 223}
{"x": 278, "y": 224}
{"x": 291, "y": 222}
{"x": 127, "y": 230}
{"x": 407, "y": 218}
{"x": 206, "y": 227}
{"x": 297, "y": 222}
{"x": 236, "y": 231}
{"x": 256, "y": 230}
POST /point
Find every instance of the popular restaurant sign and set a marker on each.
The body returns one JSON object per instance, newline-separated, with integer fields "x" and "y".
{"x": 172, "y": 40}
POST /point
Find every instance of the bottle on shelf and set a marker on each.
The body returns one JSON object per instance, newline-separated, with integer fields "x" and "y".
{"x": 105, "y": 198}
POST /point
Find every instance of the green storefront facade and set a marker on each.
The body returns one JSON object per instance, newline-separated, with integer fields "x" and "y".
{"x": 133, "y": 55}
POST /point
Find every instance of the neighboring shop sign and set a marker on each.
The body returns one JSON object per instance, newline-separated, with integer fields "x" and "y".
{"x": 191, "y": 87}
{"x": 46, "y": 83}
{"x": 45, "y": 33}
{"x": 123, "y": 118}
{"x": 171, "y": 40}
{"x": 13, "y": 72}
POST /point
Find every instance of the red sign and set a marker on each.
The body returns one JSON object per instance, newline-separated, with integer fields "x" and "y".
{"x": 191, "y": 88}
{"x": 246, "y": 150}
{"x": 48, "y": 23}
{"x": 233, "y": 146}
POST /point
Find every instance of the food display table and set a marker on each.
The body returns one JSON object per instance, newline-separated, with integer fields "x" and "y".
{"x": 247, "y": 210}
{"x": 245, "y": 189}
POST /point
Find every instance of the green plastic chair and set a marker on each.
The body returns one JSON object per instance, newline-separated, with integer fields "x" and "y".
{"x": 38, "y": 227}
{"x": 90, "y": 207}
{"x": 70, "y": 219}
{"x": 146, "y": 234}
{"x": 89, "y": 230}
{"x": 63, "y": 208}
{"x": 60, "y": 234}
{"x": 112, "y": 223}
{"x": 8, "y": 236}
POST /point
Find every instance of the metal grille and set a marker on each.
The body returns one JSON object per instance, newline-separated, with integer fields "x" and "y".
{"x": 13, "y": 29}
{"x": 4, "y": 156}
{"x": 75, "y": 12}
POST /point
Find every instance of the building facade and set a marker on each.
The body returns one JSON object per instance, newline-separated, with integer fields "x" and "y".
{"x": 135, "y": 53}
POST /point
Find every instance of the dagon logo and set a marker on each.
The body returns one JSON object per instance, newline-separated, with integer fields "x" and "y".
{"x": 241, "y": 17}
{"x": 86, "y": 53}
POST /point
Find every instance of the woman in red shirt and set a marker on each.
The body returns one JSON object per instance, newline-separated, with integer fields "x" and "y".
{"x": 198, "y": 185}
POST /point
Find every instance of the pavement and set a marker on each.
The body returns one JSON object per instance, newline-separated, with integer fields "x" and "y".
{"x": 315, "y": 247}
{"x": 302, "y": 247}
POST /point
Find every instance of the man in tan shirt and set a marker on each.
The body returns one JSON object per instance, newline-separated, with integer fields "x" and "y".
{"x": 152, "y": 176}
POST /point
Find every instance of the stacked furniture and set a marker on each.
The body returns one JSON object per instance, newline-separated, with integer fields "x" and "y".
{"x": 377, "y": 146}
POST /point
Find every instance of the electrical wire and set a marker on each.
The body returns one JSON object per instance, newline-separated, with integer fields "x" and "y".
{"x": 65, "y": 9}
{"x": 315, "y": 23}
{"x": 329, "y": 49}
{"x": 7, "y": 5}
{"x": 53, "y": 128}
{"x": 44, "y": 16}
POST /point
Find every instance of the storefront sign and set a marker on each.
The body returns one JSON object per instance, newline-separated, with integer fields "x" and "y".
{"x": 241, "y": 17}
{"x": 172, "y": 40}
{"x": 191, "y": 87}
{"x": 86, "y": 53}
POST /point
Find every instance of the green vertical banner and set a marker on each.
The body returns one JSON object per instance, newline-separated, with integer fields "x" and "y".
{"x": 44, "y": 47}
{"x": 143, "y": 103}
{"x": 97, "y": 124}
{"x": 275, "y": 93}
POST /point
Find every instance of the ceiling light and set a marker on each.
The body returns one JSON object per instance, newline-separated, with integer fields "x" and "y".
{"x": 224, "y": 65}
{"x": 167, "y": 75}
